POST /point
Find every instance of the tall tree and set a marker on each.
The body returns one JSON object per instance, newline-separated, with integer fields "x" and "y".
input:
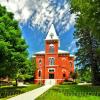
{"x": 87, "y": 33}
{"x": 13, "y": 49}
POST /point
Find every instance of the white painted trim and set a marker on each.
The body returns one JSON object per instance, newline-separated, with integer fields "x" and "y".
{"x": 40, "y": 70}
{"x": 39, "y": 60}
{"x": 51, "y": 69}
{"x": 49, "y": 79}
{"x": 51, "y": 45}
{"x": 63, "y": 58}
{"x": 51, "y": 65}
{"x": 63, "y": 70}
{"x": 51, "y": 58}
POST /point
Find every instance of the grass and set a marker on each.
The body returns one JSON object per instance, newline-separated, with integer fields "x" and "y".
{"x": 10, "y": 91}
{"x": 71, "y": 92}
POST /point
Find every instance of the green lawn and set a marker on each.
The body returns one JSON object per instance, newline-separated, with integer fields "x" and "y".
{"x": 71, "y": 92}
{"x": 9, "y": 91}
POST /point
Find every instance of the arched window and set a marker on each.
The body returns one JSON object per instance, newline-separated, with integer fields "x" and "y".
{"x": 39, "y": 73}
{"x": 51, "y": 69}
{"x": 51, "y": 50}
{"x": 51, "y": 61}
{"x": 64, "y": 75}
{"x": 40, "y": 61}
{"x": 70, "y": 64}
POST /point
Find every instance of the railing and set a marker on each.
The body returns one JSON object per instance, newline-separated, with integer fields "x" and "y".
{"x": 73, "y": 93}
{"x": 6, "y": 93}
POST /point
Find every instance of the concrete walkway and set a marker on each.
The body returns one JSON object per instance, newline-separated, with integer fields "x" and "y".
{"x": 32, "y": 95}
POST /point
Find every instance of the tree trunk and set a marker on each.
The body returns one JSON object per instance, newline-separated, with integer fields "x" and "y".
{"x": 95, "y": 74}
{"x": 94, "y": 63}
{"x": 16, "y": 82}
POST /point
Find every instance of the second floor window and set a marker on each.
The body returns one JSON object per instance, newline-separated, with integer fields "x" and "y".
{"x": 40, "y": 61}
{"x": 51, "y": 61}
{"x": 51, "y": 50}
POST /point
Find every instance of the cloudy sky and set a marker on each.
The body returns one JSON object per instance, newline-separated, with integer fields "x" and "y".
{"x": 35, "y": 18}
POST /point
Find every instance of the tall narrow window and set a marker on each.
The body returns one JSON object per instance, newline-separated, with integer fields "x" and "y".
{"x": 70, "y": 64}
{"x": 51, "y": 61}
{"x": 40, "y": 61}
{"x": 64, "y": 75}
{"x": 39, "y": 73}
{"x": 51, "y": 50}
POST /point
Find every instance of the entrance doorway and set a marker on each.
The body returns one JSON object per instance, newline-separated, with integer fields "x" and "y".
{"x": 51, "y": 80}
{"x": 51, "y": 76}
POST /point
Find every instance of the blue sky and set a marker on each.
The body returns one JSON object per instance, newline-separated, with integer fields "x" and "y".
{"x": 35, "y": 39}
{"x": 35, "y": 18}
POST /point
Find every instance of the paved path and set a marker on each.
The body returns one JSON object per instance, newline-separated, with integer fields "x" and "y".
{"x": 32, "y": 95}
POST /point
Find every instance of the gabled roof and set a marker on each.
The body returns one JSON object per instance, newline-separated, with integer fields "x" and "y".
{"x": 59, "y": 52}
{"x": 52, "y": 35}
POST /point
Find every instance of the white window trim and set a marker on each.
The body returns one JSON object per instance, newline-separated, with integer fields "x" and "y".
{"x": 39, "y": 60}
{"x": 40, "y": 70}
{"x": 51, "y": 45}
{"x": 63, "y": 70}
{"x": 51, "y": 69}
{"x": 54, "y": 60}
{"x": 63, "y": 58}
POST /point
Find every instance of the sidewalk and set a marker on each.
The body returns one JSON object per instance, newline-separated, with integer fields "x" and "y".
{"x": 32, "y": 95}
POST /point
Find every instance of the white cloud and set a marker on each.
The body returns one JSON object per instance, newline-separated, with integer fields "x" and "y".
{"x": 42, "y": 13}
{"x": 72, "y": 48}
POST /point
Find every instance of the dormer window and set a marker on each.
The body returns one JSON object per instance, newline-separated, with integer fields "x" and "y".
{"x": 51, "y": 48}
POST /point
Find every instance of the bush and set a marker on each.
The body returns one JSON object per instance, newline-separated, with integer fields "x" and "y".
{"x": 29, "y": 78}
{"x": 3, "y": 83}
{"x": 69, "y": 83}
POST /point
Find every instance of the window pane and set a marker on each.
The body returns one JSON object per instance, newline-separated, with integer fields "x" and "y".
{"x": 51, "y": 50}
{"x": 51, "y": 70}
{"x": 51, "y": 61}
{"x": 70, "y": 64}
{"x": 39, "y": 73}
{"x": 40, "y": 61}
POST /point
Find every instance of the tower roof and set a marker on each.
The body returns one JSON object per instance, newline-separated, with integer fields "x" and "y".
{"x": 52, "y": 35}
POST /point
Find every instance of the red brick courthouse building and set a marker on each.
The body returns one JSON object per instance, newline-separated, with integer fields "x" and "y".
{"x": 53, "y": 66}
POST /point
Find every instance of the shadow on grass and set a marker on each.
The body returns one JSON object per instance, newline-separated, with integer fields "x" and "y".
{"x": 76, "y": 90}
{"x": 12, "y": 90}
{"x": 71, "y": 92}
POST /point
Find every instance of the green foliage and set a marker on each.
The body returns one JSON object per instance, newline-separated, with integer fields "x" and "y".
{"x": 90, "y": 11}
{"x": 74, "y": 75}
{"x": 87, "y": 35}
{"x": 71, "y": 92}
{"x": 34, "y": 63}
{"x": 9, "y": 91}
{"x": 85, "y": 74}
{"x": 13, "y": 50}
